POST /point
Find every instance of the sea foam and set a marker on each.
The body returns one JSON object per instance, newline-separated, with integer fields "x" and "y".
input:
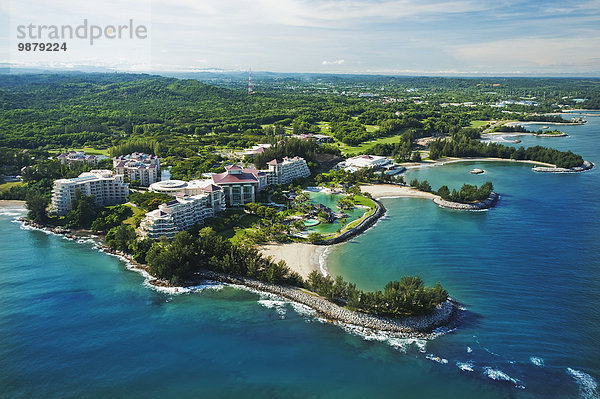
{"x": 499, "y": 375}
{"x": 538, "y": 361}
{"x": 588, "y": 387}
{"x": 465, "y": 366}
{"x": 438, "y": 359}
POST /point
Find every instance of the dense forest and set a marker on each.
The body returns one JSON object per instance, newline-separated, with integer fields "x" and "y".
{"x": 464, "y": 145}
{"x": 101, "y": 110}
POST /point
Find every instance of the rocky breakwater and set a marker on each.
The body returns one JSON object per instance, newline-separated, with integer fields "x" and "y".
{"x": 586, "y": 165}
{"x": 415, "y": 326}
{"x": 489, "y": 202}
{"x": 361, "y": 227}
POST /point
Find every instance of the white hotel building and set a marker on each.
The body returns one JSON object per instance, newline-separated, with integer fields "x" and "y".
{"x": 286, "y": 170}
{"x": 198, "y": 199}
{"x": 108, "y": 189}
{"x": 182, "y": 213}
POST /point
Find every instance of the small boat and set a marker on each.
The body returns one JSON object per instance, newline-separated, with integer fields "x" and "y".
{"x": 476, "y": 171}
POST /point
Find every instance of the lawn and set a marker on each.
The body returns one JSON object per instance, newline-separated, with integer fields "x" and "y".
{"x": 364, "y": 201}
{"x": 245, "y": 223}
{"x": 479, "y": 124}
{"x": 351, "y": 150}
{"x": 7, "y": 186}
{"x": 87, "y": 150}
{"x": 136, "y": 212}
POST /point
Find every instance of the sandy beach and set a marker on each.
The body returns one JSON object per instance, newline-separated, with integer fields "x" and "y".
{"x": 11, "y": 203}
{"x": 394, "y": 190}
{"x": 454, "y": 160}
{"x": 301, "y": 258}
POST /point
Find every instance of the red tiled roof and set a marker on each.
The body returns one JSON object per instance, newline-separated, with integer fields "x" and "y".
{"x": 225, "y": 177}
{"x": 273, "y": 162}
{"x": 211, "y": 188}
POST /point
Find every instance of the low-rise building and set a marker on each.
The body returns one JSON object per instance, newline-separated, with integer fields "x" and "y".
{"x": 139, "y": 167}
{"x": 77, "y": 158}
{"x": 106, "y": 187}
{"x": 364, "y": 161}
{"x": 254, "y": 150}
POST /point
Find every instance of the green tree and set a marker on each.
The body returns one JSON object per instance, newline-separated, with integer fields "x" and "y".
{"x": 36, "y": 203}
{"x": 119, "y": 238}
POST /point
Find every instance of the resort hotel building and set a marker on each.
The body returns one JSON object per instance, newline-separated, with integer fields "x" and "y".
{"x": 107, "y": 189}
{"x": 138, "y": 167}
{"x": 362, "y": 162}
{"x": 198, "y": 199}
{"x": 286, "y": 170}
{"x": 75, "y": 158}
{"x": 182, "y": 213}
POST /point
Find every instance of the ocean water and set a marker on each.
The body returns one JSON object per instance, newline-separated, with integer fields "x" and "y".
{"x": 75, "y": 322}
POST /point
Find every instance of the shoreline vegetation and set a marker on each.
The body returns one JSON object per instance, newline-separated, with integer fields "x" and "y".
{"x": 416, "y": 326}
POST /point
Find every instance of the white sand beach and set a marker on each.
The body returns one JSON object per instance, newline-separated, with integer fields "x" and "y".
{"x": 394, "y": 190}
{"x": 301, "y": 258}
{"x": 11, "y": 204}
{"x": 444, "y": 161}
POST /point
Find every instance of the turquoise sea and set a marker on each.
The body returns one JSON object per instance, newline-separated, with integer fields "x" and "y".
{"x": 76, "y": 323}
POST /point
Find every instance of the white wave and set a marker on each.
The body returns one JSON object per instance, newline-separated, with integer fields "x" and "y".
{"x": 11, "y": 212}
{"x": 324, "y": 253}
{"x": 278, "y": 306}
{"x": 538, "y": 361}
{"x": 398, "y": 343}
{"x": 498, "y": 375}
{"x": 465, "y": 366}
{"x": 438, "y": 359}
{"x": 27, "y": 227}
{"x": 302, "y": 309}
{"x": 442, "y": 330}
{"x": 588, "y": 387}
{"x": 469, "y": 350}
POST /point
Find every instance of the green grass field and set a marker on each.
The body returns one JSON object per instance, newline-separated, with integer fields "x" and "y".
{"x": 87, "y": 150}
{"x": 7, "y": 186}
{"x": 479, "y": 124}
{"x": 136, "y": 212}
{"x": 351, "y": 150}
{"x": 245, "y": 223}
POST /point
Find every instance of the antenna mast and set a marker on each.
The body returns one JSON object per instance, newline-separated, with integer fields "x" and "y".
{"x": 250, "y": 91}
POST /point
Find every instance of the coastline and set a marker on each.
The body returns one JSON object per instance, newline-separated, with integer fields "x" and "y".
{"x": 396, "y": 191}
{"x": 444, "y": 161}
{"x": 513, "y": 123}
{"x": 410, "y": 327}
{"x": 524, "y": 134}
{"x": 11, "y": 203}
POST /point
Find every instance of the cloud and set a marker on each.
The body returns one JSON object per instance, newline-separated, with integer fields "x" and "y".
{"x": 336, "y": 62}
{"x": 534, "y": 52}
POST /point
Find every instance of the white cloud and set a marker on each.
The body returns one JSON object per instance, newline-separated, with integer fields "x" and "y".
{"x": 336, "y": 62}
{"x": 579, "y": 53}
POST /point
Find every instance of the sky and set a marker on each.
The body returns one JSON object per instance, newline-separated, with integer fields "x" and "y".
{"x": 404, "y": 37}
